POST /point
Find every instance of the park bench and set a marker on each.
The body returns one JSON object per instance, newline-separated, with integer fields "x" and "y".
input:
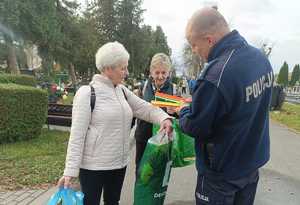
{"x": 59, "y": 114}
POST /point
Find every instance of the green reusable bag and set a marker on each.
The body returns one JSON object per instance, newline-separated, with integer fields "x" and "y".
{"x": 183, "y": 150}
{"x": 154, "y": 172}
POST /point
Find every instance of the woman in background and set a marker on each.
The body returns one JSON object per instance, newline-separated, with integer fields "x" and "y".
{"x": 158, "y": 81}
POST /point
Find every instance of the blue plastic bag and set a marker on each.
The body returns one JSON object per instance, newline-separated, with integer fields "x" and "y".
{"x": 66, "y": 197}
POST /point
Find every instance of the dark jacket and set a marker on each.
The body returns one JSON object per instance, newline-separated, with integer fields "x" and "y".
{"x": 144, "y": 129}
{"x": 229, "y": 116}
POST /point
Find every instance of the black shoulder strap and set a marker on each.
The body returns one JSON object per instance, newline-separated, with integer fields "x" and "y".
{"x": 124, "y": 94}
{"x": 133, "y": 119}
{"x": 93, "y": 98}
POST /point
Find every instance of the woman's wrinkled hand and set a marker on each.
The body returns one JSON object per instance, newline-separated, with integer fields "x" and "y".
{"x": 65, "y": 181}
{"x": 166, "y": 126}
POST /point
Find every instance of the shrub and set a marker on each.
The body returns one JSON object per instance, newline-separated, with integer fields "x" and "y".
{"x": 18, "y": 79}
{"x": 23, "y": 112}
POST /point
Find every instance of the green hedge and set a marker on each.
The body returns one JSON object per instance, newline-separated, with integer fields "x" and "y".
{"x": 18, "y": 79}
{"x": 23, "y": 112}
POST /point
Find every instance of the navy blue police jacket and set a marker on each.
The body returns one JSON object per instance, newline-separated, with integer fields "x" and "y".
{"x": 230, "y": 110}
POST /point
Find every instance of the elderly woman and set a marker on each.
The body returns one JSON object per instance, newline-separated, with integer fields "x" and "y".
{"x": 158, "y": 81}
{"x": 98, "y": 149}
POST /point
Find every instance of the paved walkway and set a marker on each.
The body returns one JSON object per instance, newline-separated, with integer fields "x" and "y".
{"x": 279, "y": 179}
{"x": 23, "y": 197}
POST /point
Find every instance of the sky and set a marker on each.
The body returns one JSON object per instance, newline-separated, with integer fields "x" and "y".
{"x": 274, "y": 22}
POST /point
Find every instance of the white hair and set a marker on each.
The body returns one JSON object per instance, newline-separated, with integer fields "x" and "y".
{"x": 111, "y": 55}
{"x": 161, "y": 59}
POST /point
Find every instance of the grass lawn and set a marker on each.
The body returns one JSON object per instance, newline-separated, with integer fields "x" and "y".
{"x": 33, "y": 164}
{"x": 289, "y": 116}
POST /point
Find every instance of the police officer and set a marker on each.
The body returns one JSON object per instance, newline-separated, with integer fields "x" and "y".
{"x": 229, "y": 116}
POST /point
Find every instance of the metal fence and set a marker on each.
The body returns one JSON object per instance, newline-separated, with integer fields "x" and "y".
{"x": 292, "y": 97}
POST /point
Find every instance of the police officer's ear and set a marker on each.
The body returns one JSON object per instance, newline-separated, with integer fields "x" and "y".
{"x": 210, "y": 39}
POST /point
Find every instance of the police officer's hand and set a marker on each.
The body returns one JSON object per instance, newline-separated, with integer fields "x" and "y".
{"x": 171, "y": 110}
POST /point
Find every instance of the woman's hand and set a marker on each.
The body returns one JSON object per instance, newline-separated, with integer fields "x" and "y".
{"x": 64, "y": 181}
{"x": 167, "y": 126}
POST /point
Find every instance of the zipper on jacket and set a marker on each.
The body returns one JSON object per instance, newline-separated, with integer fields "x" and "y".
{"x": 123, "y": 114}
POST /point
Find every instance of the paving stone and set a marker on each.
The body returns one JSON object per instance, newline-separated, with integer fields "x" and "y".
{"x": 31, "y": 191}
{"x": 6, "y": 195}
{"x": 26, "y": 201}
{"x": 37, "y": 193}
{"x": 19, "y": 193}
{"x": 10, "y": 199}
{"x": 12, "y": 203}
{"x": 23, "y": 197}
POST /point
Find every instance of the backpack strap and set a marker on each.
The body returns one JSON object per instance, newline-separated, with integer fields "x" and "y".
{"x": 133, "y": 119}
{"x": 124, "y": 94}
{"x": 93, "y": 98}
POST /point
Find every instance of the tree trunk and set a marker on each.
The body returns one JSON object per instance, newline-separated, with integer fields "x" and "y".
{"x": 12, "y": 59}
{"x": 72, "y": 73}
{"x": 47, "y": 66}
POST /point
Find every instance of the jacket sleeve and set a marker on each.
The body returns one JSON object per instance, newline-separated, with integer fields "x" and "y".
{"x": 81, "y": 115}
{"x": 144, "y": 110}
{"x": 206, "y": 109}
